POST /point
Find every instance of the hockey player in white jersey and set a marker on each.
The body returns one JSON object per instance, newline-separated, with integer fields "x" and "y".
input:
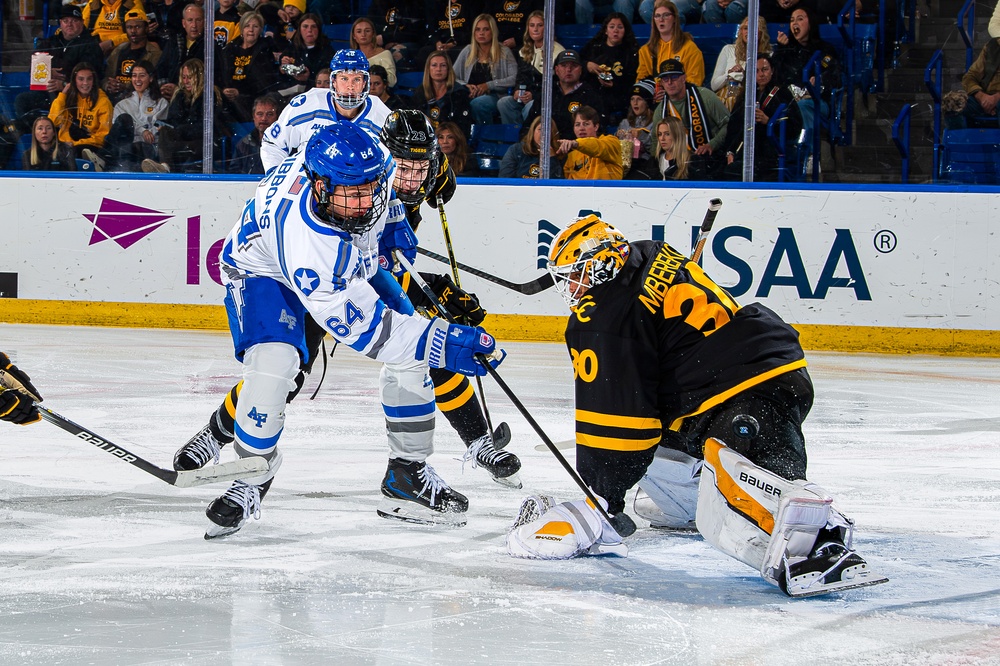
{"x": 347, "y": 99}
{"x": 308, "y": 242}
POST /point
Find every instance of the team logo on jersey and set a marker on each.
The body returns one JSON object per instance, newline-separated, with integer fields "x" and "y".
{"x": 535, "y": 171}
{"x": 511, "y": 6}
{"x": 456, "y": 9}
{"x": 574, "y": 106}
{"x": 298, "y": 100}
{"x": 123, "y": 223}
{"x": 306, "y": 279}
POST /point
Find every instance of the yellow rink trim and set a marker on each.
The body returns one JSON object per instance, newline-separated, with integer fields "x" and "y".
{"x": 527, "y": 328}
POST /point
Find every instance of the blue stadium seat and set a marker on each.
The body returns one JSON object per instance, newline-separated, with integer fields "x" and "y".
{"x": 641, "y": 31}
{"x": 575, "y": 35}
{"x": 970, "y": 156}
{"x": 339, "y": 34}
{"x": 710, "y": 38}
{"x": 408, "y": 82}
{"x": 84, "y": 165}
{"x": 494, "y": 139}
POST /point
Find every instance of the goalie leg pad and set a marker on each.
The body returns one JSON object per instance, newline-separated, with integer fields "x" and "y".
{"x": 668, "y": 491}
{"x": 562, "y": 532}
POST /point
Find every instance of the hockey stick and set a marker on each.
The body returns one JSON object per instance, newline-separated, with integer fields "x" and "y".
{"x": 510, "y": 394}
{"x": 528, "y": 288}
{"x": 706, "y": 227}
{"x": 458, "y": 283}
{"x": 229, "y": 471}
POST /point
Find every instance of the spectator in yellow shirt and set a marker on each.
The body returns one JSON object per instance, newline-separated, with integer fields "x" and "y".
{"x": 589, "y": 156}
{"x": 83, "y": 112}
{"x": 106, "y": 20}
{"x": 668, "y": 42}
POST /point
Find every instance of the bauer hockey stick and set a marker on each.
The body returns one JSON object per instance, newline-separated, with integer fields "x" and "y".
{"x": 706, "y": 228}
{"x": 528, "y": 288}
{"x": 484, "y": 361}
{"x": 229, "y": 471}
{"x": 458, "y": 283}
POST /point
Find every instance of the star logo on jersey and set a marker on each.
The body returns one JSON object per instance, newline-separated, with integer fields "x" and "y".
{"x": 306, "y": 279}
{"x": 124, "y": 223}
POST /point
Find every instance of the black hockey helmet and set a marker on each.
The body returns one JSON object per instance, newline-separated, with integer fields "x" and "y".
{"x": 409, "y": 135}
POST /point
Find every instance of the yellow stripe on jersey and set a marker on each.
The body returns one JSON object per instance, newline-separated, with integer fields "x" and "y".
{"x": 616, "y": 443}
{"x": 618, "y": 421}
{"x": 733, "y": 493}
{"x": 739, "y": 388}
{"x": 455, "y": 403}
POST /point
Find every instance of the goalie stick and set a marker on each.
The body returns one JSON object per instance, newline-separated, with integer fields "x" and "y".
{"x": 706, "y": 227}
{"x": 484, "y": 361}
{"x": 528, "y": 288}
{"x": 229, "y": 471}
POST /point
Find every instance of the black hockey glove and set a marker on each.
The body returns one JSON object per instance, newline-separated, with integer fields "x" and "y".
{"x": 445, "y": 184}
{"x": 462, "y": 305}
{"x": 16, "y": 403}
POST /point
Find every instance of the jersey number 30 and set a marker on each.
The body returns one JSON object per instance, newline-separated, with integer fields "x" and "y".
{"x": 584, "y": 364}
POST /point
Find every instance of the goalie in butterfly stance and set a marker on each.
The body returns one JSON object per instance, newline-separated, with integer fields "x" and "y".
{"x": 698, "y": 400}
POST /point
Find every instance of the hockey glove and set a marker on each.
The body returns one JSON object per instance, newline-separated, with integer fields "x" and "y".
{"x": 397, "y": 236}
{"x": 16, "y": 405}
{"x": 562, "y": 531}
{"x": 454, "y": 346}
{"x": 445, "y": 184}
{"x": 462, "y": 305}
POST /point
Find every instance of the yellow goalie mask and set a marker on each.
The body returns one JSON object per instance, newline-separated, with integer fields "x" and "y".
{"x": 585, "y": 254}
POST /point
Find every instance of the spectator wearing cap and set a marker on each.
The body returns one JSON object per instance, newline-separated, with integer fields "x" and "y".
{"x": 106, "y": 20}
{"x": 249, "y": 70}
{"x": 70, "y": 46}
{"x": 701, "y": 111}
{"x": 528, "y": 84}
{"x": 591, "y": 155}
{"x": 570, "y": 92}
{"x": 637, "y": 125}
{"x": 118, "y": 80}
{"x": 487, "y": 68}
{"x": 611, "y": 60}
{"x": 668, "y": 42}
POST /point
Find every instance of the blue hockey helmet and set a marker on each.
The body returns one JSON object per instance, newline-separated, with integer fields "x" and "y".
{"x": 349, "y": 60}
{"x": 342, "y": 155}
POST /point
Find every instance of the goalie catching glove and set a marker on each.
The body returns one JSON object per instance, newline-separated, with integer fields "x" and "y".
{"x": 17, "y": 394}
{"x": 545, "y": 530}
{"x": 459, "y": 348}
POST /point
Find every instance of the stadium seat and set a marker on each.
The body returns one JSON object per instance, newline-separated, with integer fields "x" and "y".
{"x": 339, "y": 34}
{"x": 84, "y": 165}
{"x": 970, "y": 156}
{"x": 408, "y": 82}
{"x": 494, "y": 139}
{"x": 575, "y": 35}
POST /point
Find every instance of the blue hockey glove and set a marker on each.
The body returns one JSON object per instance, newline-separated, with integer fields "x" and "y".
{"x": 454, "y": 347}
{"x": 397, "y": 235}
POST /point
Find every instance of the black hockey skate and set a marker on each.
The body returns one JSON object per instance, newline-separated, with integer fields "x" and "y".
{"x": 412, "y": 491}
{"x": 231, "y": 511}
{"x": 198, "y": 451}
{"x": 502, "y": 465}
{"x": 830, "y": 567}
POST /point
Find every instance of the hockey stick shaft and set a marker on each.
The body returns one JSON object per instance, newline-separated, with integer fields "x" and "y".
{"x": 512, "y": 396}
{"x": 528, "y": 288}
{"x": 458, "y": 283}
{"x": 230, "y": 471}
{"x": 706, "y": 228}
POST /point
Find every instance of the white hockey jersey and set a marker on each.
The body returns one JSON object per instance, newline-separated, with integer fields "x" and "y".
{"x": 305, "y": 114}
{"x": 279, "y": 236}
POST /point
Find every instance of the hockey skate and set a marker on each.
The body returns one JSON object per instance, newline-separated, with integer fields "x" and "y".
{"x": 231, "y": 511}
{"x": 830, "y": 567}
{"x": 413, "y": 492}
{"x": 198, "y": 451}
{"x": 502, "y": 465}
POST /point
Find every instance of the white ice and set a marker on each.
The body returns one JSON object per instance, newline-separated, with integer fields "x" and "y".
{"x": 104, "y": 564}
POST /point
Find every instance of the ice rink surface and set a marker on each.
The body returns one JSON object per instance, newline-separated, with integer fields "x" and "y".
{"x": 104, "y": 564}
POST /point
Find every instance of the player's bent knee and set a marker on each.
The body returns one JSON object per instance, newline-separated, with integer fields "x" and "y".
{"x": 669, "y": 496}
{"x": 269, "y": 371}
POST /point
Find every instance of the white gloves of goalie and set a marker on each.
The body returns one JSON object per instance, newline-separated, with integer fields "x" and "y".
{"x": 545, "y": 530}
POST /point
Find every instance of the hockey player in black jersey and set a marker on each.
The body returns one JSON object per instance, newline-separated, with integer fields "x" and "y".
{"x": 410, "y": 139}
{"x": 698, "y": 400}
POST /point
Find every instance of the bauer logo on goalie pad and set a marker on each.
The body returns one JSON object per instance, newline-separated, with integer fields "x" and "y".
{"x": 758, "y": 483}
{"x": 107, "y": 446}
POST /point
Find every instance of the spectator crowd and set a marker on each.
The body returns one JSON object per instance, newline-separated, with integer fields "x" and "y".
{"x": 127, "y": 82}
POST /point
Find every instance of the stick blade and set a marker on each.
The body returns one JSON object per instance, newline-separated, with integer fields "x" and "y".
{"x": 224, "y": 472}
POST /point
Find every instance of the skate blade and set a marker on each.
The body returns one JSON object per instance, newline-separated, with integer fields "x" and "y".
{"x": 512, "y": 481}
{"x": 410, "y": 512}
{"x": 218, "y": 531}
{"x": 866, "y": 579}
{"x": 565, "y": 445}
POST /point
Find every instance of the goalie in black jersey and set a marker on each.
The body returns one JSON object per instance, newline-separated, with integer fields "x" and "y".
{"x": 410, "y": 138}
{"x": 700, "y": 402}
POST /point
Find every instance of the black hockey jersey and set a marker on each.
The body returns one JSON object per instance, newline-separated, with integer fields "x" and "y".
{"x": 662, "y": 342}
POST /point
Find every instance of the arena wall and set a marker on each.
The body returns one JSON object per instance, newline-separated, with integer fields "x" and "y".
{"x": 908, "y": 270}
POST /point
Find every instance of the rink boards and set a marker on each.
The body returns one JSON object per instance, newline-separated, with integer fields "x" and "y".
{"x": 861, "y": 269}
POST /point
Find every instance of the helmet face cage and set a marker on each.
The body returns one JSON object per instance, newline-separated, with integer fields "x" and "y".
{"x": 339, "y": 206}
{"x": 349, "y": 60}
{"x": 587, "y": 253}
{"x": 409, "y": 135}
